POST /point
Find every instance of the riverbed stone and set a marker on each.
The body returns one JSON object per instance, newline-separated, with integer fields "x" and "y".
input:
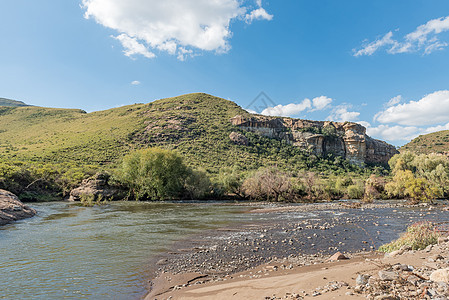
{"x": 362, "y": 279}
{"x": 338, "y": 256}
{"x": 388, "y": 275}
{"x": 441, "y": 275}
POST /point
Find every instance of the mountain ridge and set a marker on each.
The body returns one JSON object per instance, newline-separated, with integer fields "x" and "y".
{"x": 196, "y": 125}
{"x": 12, "y": 103}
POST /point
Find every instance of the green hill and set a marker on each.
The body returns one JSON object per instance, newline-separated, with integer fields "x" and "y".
{"x": 46, "y": 152}
{"x": 436, "y": 142}
{"x": 196, "y": 125}
{"x": 11, "y": 103}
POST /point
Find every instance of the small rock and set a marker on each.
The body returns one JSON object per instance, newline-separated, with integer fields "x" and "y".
{"x": 396, "y": 253}
{"x": 386, "y": 297}
{"x": 442, "y": 239}
{"x": 388, "y": 275}
{"x": 163, "y": 261}
{"x": 406, "y": 248}
{"x": 362, "y": 279}
{"x": 441, "y": 275}
{"x": 437, "y": 257}
{"x": 338, "y": 256}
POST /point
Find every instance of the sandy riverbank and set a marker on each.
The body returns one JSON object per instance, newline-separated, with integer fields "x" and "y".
{"x": 368, "y": 276}
{"x": 287, "y": 254}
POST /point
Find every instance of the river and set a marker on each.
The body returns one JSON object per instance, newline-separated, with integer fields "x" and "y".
{"x": 74, "y": 252}
{"x": 104, "y": 252}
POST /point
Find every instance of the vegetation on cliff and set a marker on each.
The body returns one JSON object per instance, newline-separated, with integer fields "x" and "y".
{"x": 436, "y": 142}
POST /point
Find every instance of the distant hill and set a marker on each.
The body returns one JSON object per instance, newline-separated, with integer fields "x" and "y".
{"x": 436, "y": 142}
{"x": 196, "y": 125}
{"x": 11, "y": 103}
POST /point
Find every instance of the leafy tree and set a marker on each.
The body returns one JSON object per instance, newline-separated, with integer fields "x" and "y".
{"x": 197, "y": 184}
{"x": 405, "y": 184}
{"x": 154, "y": 174}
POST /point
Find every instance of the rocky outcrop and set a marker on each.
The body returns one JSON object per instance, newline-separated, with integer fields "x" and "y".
{"x": 345, "y": 139}
{"x": 238, "y": 138}
{"x": 98, "y": 187}
{"x": 11, "y": 209}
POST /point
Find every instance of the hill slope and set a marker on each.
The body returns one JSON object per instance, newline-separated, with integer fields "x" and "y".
{"x": 11, "y": 103}
{"x": 436, "y": 142}
{"x": 196, "y": 125}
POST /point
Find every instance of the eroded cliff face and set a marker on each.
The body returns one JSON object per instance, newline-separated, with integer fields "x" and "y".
{"x": 348, "y": 140}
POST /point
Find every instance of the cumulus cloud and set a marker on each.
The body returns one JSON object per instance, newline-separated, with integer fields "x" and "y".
{"x": 393, "y": 134}
{"x": 430, "y": 110}
{"x": 322, "y": 102}
{"x": 341, "y": 114}
{"x": 424, "y": 39}
{"x": 135, "y": 82}
{"x": 288, "y": 110}
{"x": 292, "y": 109}
{"x": 258, "y": 14}
{"x": 178, "y": 27}
{"x": 398, "y": 133}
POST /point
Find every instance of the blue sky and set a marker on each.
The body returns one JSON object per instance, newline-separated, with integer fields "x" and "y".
{"x": 381, "y": 63}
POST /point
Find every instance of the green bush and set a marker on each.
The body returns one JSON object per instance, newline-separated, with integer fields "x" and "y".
{"x": 418, "y": 236}
{"x": 355, "y": 191}
{"x": 153, "y": 173}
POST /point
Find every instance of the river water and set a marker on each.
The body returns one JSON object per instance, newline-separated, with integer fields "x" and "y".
{"x": 104, "y": 252}
{"x": 74, "y": 252}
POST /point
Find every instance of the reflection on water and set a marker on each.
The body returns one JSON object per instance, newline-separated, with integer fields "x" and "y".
{"x": 68, "y": 251}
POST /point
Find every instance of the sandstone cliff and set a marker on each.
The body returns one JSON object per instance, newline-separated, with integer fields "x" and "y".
{"x": 345, "y": 139}
{"x": 11, "y": 209}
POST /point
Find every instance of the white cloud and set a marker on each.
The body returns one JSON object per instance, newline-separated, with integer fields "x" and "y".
{"x": 135, "y": 82}
{"x": 292, "y": 109}
{"x": 322, "y": 102}
{"x": 177, "y": 27}
{"x": 341, "y": 114}
{"x": 424, "y": 38}
{"x": 393, "y": 101}
{"x": 391, "y": 133}
{"x": 430, "y": 110}
{"x": 397, "y": 133}
{"x": 288, "y": 110}
{"x": 132, "y": 46}
{"x": 258, "y": 14}
{"x": 370, "y": 48}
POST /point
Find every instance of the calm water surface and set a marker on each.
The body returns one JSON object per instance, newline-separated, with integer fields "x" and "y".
{"x": 68, "y": 251}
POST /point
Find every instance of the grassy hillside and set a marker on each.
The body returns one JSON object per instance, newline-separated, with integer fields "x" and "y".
{"x": 437, "y": 142}
{"x": 12, "y": 103}
{"x": 196, "y": 125}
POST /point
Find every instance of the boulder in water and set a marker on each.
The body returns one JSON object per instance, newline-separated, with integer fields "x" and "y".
{"x": 12, "y": 209}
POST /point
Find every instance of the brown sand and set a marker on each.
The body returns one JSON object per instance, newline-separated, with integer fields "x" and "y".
{"x": 284, "y": 283}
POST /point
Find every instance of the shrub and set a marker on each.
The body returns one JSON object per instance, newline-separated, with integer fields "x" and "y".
{"x": 197, "y": 185}
{"x": 268, "y": 184}
{"x": 418, "y": 236}
{"x": 374, "y": 188}
{"x": 355, "y": 191}
{"x": 405, "y": 184}
{"x": 153, "y": 173}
